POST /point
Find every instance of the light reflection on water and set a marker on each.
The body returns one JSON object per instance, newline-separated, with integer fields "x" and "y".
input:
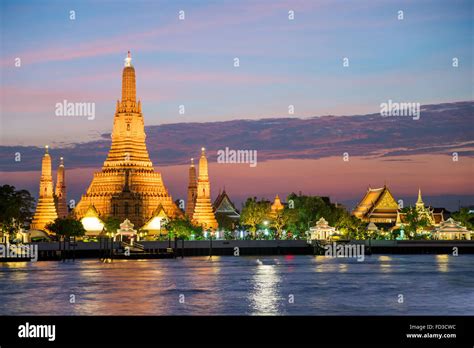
{"x": 264, "y": 295}
{"x": 443, "y": 262}
{"x": 431, "y": 284}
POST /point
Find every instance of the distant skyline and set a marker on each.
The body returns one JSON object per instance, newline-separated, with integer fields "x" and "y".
{"x": 190, "y": 62}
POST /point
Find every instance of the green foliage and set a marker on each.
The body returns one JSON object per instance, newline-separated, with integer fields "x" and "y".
{"x": 228, "y": 235}
{"x": 463, "y": 216}
{"x": 15, "y": 208}
{"x": 183, "y": 228}
{"x": 279, "y": 220}
{"x": 67, "y": 227}
{"x": 415, "y": 222}
{"x": 112, "y": 224}
{"x": 254, "y": 213}
{"x": 307, "y": 210}
{"x": 352, "y": 227}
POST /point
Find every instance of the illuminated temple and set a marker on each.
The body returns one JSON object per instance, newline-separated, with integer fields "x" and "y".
{"x": 128, "y": 187}
{"x": 378, "y": 206}
{"x": 203, "y": 214}
{"x": 45, "y": 209}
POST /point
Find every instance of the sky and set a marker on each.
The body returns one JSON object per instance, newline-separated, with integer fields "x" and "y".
{"x": 190, "y": 62}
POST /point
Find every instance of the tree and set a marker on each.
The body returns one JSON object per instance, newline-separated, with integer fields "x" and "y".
{"x": 352, "y": 227}
{"x": 16, "y": 207}
{"x": 183, "y": 228}
{"x": 278, "y": 221}
{"x": 307, "y": 210}
{"x": 415, "y": 222}
{"x": 112, "y": 224}
{"x": 254, "y": 213}
{"x": 66, "y": 227}
{"x": 463, "y": 216}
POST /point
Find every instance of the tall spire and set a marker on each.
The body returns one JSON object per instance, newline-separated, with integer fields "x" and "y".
{"x": 128, "y": 187}
{"x": 203, "y": 211}
{"x": 45, "y": 209}
{"x": 128, "y": 81}
{"x": 128, "y": 134}
{"x": 203, "y": 170}
{"x": 419, "y": 202}
{"x": 61, "y": 205}
{"x": 192, "y": 191}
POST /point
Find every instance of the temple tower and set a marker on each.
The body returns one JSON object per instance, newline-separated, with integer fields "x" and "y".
{"x": 60, "y": 192}
{"x": 45, "y": 209}
{"x": 420, "y": 205}
{"x": 192, "y": 191}
{"x": 203, "y": 212}
{"x": 128, "y": 187}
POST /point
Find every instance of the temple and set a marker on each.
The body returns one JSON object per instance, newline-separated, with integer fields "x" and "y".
{"x": 227, "y": 215}
{"x": 203, "y": 213}
{"x": 434, "y": 216}
{"x": 378, "y": 206}
{"x": 60, "y": 192}
{"x": 128, "y": 187}
{"x": 322, "y": 230}
{"x": 450, "y": 230}
{"x": 45, "y": 209}
{"x": 192, "y": 191}
{"x": 276, "y": 207}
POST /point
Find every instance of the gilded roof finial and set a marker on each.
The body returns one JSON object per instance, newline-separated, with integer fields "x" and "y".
{"x": 46, "y": 147}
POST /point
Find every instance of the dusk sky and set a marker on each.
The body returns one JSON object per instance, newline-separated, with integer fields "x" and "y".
{"x": 191, "y": 62}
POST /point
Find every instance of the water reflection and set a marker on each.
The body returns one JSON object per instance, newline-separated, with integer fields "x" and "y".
{"x": 238, "y": 286}
{"x": 264, "y": 297}
{"x": 342, "y": 267}
{"x": 385, "y": 262}
{"x": 442, "y": 261}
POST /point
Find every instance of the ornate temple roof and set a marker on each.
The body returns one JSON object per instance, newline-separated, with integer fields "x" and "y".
{"x": 321, "y": 225}
{"x": 451, "y": 226}
{"x": 377, "y": 204}
{"x": 223, "y": 204}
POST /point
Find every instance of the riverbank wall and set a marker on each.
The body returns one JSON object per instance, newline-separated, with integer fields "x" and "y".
{"x": 171, "y": 249}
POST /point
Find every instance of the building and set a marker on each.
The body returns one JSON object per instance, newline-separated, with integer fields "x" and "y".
{"x": 92, "y": 223}
{"x": 60, "y": 192}
{"x": 155, "y": 226}
{"x": 377, "y": 206}
{"x": 226, "y": 214}
{"x": 192, "y": 191}
{"x": 434, "y": 216}
{"x": 203, "y": 212}
{"x": 276, "y": 207}
{"x": 450, "y": 230}
{"x": 46, "y": 208}
{"x": 322, "y": 230}
{"x": 128, "y": 187}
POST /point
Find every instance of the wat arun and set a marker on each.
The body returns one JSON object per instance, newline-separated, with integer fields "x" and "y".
{"x": 128, "y": 187}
